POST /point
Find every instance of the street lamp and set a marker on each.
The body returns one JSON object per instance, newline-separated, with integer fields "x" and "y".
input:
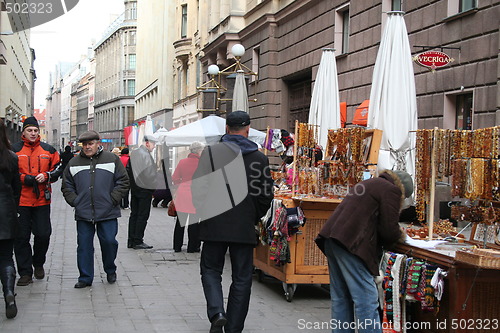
{"x": 210, "y": 91}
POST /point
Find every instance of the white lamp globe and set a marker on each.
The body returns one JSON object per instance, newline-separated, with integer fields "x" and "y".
{"x": 213, "y": 69}
{"x": 238, "y": 50}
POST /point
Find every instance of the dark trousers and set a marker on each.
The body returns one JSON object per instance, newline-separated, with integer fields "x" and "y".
{"x": 211, "y": 266}
{"x": 6, "y": 251}
{"x": 124, "y": 202}
{"x": 140, "y": 208}
{"x": 106, "y": 232}
{"x": 34, "y": 220}
{"x": 194, "y": 242}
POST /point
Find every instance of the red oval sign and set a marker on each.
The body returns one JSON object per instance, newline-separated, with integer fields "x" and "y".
{"x": 433, "y": 59}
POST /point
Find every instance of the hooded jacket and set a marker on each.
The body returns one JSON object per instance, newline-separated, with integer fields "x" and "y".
{"x": 367, "y": 219}
{"x": 232, "y": 190}
{"x": 35, "y": 158}
{"x": 95, "y": 185}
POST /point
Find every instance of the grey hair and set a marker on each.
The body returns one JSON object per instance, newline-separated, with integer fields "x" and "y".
{"x": 196, "y": 146}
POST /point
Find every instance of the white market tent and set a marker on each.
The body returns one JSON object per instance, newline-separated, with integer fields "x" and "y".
{"x": 207, "y": 130}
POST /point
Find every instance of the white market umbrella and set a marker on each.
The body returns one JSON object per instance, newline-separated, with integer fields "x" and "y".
{"x": 240, "y": 94}
{"x": 207, "y": 130}
{"x": 325, "y": 101}
{"x": 393, "y": 101}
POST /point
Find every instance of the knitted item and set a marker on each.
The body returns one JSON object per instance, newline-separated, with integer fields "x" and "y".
{"x": 413, "y": 280}
{"x": 429, "y": 302}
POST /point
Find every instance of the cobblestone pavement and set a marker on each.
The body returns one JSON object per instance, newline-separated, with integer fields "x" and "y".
{"x": 157, "y": 290}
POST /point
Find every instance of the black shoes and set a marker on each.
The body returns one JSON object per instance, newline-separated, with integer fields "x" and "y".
{"x": 24, "y": 280}
{"x": 193, "y": 251}
{"x": 39, "y": 273}
{"x": 111, "y": 278}
{"x": 142, "y": 246}
{"x": 81, "y": 284}
{"x": 218, "y": 321}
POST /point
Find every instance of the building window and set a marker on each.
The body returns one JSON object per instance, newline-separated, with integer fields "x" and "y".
{"x": 396, "y": 5}
{"x": 132, "y": 38}
{"x": 341, "y": 39}
{"x": 131, "y": 61}
{"x": 464, "y": 112}
{"x": 255, "y": 63}
{"x": 133, "y": 11}
{"x": 131, "y": 88}
{"x": 465, "y": 5}
{"x": 459, "y": 6}
{"x": 198, "y": 71}
{"x": 184, "y": 21}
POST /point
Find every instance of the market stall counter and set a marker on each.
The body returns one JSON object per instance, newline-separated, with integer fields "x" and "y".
{"x": 307, "y": 264}
{"x": 471, "y": 296}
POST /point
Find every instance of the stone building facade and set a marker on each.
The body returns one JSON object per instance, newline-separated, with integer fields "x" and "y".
{"x": 115, "y": 72}
{"x": 16, "y": 71}
{"x": 284, "y": 39}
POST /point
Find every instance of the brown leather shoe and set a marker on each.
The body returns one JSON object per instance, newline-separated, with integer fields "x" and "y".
{"x": 39, "y": 273}
{"x": 24, "y": 280}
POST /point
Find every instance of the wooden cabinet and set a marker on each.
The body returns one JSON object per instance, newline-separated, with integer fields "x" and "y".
{"x": 471, "y": 299}
{"x": 308, "y": 265}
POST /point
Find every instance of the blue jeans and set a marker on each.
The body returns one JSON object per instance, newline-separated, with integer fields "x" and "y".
{"x": 106, "y": 232}
{"x": 353, "y": 292}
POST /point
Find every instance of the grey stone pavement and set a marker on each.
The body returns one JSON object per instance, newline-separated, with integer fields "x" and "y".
{"x": 157, "y": 290}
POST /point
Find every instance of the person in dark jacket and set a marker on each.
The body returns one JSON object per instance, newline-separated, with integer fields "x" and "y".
{"x": 39, "y": 166}
{"x": 353, "y": 238}
{"x": 232, "y": 190}
{"x": 142, "y": 172}
{"x": 94, "y": 183}
{"x": 186, "y": 213}
{"x": 10, "y": 192}
{"x": 66, "y": 157}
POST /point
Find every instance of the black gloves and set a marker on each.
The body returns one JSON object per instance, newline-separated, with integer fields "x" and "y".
{"x": 29, "y": 180}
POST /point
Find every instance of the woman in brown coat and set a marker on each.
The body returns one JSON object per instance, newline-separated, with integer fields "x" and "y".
{"x": 353, "y": 239}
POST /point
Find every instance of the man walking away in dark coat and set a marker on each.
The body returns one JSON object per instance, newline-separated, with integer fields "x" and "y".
{"x": 232, "y": 190}
{"x": 352, "y": 239}
{"x": 94, "y": 183}
{"x": 66, "y": 156}
{"x": 141, "y": 170}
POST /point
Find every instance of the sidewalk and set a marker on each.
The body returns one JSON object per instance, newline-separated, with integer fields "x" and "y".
{"x": 157, "y": 290}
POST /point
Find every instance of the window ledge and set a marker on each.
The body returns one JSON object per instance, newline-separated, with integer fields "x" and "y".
{"x": 343, "y": 55}
{"x": 459, "y": 15}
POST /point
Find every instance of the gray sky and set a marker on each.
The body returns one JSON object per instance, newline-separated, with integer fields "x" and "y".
{"x": 68, "y": 37}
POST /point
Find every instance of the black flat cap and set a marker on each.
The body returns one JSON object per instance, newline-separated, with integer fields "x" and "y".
{"x": 89, "y": 136}
{"x": 238, "y": 118}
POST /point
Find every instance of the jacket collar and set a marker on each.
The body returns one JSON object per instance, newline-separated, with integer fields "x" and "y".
{"x": 393, "y": 178}
{"x": 29, "y": 143}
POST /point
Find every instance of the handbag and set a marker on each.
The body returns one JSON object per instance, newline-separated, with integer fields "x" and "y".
{"x": 171, "y": 209}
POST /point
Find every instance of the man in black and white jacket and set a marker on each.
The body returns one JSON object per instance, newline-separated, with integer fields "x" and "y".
{"x": 94, "y": 183}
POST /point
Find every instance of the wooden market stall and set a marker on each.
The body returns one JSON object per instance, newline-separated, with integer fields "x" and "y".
{"x": 469, "y": 161}
{"x": 307, "y": 264}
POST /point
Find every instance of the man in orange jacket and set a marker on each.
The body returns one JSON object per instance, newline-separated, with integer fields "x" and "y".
{"x": 38, "y": 167}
